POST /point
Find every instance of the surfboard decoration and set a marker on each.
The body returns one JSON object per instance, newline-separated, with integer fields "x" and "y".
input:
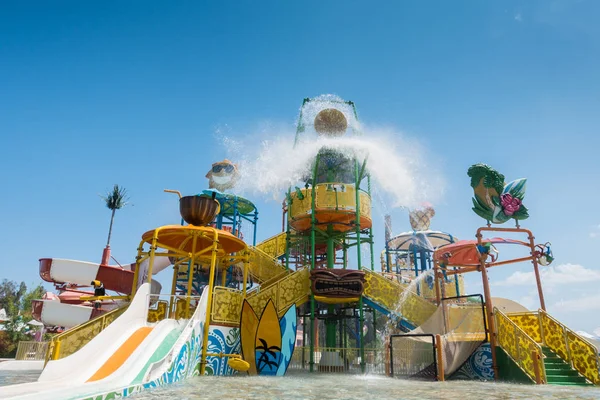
{"x": 267, "y": 341}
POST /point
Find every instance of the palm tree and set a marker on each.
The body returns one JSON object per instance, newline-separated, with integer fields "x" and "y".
{"x": 268, "y": 353}
{"x": 115, "y": 200}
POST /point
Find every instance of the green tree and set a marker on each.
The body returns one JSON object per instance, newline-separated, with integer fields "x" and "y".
{"x": 115, "y": 199}
{"x": 16, "y": 301}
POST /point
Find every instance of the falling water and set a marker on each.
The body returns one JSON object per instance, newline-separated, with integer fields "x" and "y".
{"x": 392, "y": 322}
{"x": 270, "y": 166}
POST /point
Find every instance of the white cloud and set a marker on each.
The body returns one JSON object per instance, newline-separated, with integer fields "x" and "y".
{"x": 518, "y": 17}
{"x": 596, "y": 331}
{"x": 595, "y": 232}
{"x": 553, "y": 276}
{"x": 586, "y": 303}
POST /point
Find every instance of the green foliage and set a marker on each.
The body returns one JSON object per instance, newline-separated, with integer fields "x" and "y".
{"x": 491, "y": 177}
{"x": 116, "y": 198}
{"x": 16, "y": 301}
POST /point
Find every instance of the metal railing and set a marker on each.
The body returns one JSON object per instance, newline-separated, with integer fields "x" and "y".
{"x": 390, "y": 295}
{"x": 31, "y": 351}
{"x": 274, "y": 246}
{"x": 413, "y": 356}
{"x": 161, "y": 306}
{"x": 262, "y": 267}
{"x": 291, "y": 289}
{"x": 520, "y": 347}
{"x": 68, "y": 342}
{"x": 574, "y": 349}
{"x": 338, "y": 359}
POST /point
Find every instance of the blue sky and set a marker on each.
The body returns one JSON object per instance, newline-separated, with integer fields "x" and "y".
{"x": 93, "y": 94}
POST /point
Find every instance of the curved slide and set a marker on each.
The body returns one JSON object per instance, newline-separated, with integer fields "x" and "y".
{"x": 67, "y": 313}
{"x": 129, "y": 355}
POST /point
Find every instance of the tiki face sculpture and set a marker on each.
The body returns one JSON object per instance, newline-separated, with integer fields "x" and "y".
{"x": 337, "y": 282}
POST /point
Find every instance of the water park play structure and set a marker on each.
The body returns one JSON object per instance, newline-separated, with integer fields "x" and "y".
{"x": 305, "y": 298}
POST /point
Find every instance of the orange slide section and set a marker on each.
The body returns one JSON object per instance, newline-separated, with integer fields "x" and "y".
{"x": 122, "y": 354}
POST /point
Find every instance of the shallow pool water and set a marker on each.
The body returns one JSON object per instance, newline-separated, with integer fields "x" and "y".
{"x": 322, "y": 386}
{"x": 14, "y": 377}
{"x": 297, "y": 385}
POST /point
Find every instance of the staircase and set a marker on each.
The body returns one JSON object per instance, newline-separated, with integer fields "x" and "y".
{"x": 567, "y": 358}
{"x": 558, "y": 372}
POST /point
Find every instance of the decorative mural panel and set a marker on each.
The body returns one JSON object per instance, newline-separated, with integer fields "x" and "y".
{"x": 478, "y": 366}
{"x": 222, "y": 339}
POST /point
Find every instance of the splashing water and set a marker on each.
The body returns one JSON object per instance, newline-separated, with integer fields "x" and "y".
{"x": 276, "y": 165}
{"x": 391, "y": 323}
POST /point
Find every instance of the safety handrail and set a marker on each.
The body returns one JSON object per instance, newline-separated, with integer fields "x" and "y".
{"x": 528, "y": 357}
{"x": 274, "y": 246}
{"x": 390, "y": 295}
{"x": 291, "y": 289}
{"x": 580, "y": 353}
{"x": 262, "y": 267}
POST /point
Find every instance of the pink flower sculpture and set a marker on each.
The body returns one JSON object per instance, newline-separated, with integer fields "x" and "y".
{"x": 509, "y": 204}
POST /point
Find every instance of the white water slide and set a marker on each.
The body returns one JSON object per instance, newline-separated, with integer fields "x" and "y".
{"x": 128, "y": 355}
{"x": 116, "y": 278}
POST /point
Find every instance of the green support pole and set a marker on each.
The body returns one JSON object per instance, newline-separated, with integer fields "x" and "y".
{"x": 330, "y": 322}
{"x": 304, "y": 337}
{"x": 359, "y": 264}
{"x": 288, "y": 232}
{"x": 371, "y": 228}
{"x": 374, "y": 313}
{"x": 312, "y": 265}
{"x": 362, "y": 339}
{"x": 357, "y": 186}
{"x": 345, "y": 254}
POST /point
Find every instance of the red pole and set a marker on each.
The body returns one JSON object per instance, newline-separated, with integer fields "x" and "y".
{"x": 105, "y": 255}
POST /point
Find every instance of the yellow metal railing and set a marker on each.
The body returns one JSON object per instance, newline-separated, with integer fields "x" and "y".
{"x": 568, "y": 345}
{"x": 31, "y": 351}
{"x": 274, "y": 246}
{"x": 520, "y": 347}
{"x": 291, "y": 289}
{"x": 262, "y": 267}
{"x": 394, "y": 297}
{"x": 68, "y": 342}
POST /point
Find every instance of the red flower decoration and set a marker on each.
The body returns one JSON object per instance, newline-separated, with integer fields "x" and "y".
{"x": 509, "y": 204}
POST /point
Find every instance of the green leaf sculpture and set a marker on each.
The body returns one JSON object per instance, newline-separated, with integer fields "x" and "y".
{"x": 494, "y": 200}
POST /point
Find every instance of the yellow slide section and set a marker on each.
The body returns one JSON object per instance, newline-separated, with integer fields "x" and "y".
{"x": 122, "y": 354}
